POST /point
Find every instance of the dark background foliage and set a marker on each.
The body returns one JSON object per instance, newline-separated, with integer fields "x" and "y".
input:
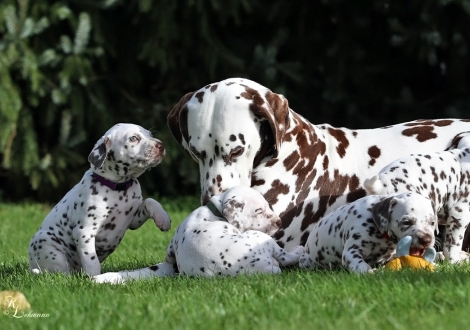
{"x": 69, "y": 70}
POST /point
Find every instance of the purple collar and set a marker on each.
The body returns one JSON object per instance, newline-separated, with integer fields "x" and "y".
{"x": 113, "y": 185}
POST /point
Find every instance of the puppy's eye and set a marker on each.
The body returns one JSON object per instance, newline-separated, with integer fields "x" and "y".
{"x": 133, "y": 138}
{"x": 407, "y": 222}
{"x": 259, "y": 211}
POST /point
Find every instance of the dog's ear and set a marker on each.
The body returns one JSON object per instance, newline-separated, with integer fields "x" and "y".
{"x": 381, "y": 213}
{"x": 177, "y": 119}
{"x": 100, "y": 151}
{"x": 276, "y": 112}
{"x": 233, "y": 211}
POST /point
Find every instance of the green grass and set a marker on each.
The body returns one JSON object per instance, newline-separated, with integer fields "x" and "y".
{"x": 294, "y": 300}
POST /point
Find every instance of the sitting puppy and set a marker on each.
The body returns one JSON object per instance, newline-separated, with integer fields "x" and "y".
{"x": 90, "y": 221}
{"x": 444, "y": 177}
{"x": 228, "y": 236}
{"x": 365, "y": 233}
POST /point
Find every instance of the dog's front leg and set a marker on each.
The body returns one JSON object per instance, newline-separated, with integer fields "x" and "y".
{"x": 85, "y": 243}
{"x": 457, "y": 223}
{"x": 150, "y": 208}
{"x": 353, "y": 259}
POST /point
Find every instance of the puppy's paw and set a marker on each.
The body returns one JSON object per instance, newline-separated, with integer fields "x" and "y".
{"x": 162, "y": 221}
{"x": 112, "y": 278}
{"x": 298, "y": 250}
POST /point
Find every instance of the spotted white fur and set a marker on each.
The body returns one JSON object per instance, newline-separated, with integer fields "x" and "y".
{"x": 444, "y": 177}
{"x": 207, "y": 245}
{"x": 364, "y": 234}
{"x": 90, "y": 221}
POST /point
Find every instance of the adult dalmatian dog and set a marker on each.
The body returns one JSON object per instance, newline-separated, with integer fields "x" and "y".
{"x": 364, "y": 234}
{"x": 444, "y": 177}
{"x": 90, "y": 221}
{"x": 228, "y": 236}
{"x": 242, "y": 133}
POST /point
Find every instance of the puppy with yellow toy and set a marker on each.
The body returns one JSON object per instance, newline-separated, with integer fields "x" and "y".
{"x": 407, "y": 259}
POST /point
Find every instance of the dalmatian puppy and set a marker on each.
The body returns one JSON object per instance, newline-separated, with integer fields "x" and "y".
{"x": 89, "y": 222}
{"x": 363, "y": 234}
{"x": 228, "y": 236}
{"x": 242, "y": 133}
{"x": 443, "y": 177}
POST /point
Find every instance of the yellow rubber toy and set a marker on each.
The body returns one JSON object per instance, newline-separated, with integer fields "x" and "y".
{"x": 404, "y": 260}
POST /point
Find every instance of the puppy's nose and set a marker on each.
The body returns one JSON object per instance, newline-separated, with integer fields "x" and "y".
{"x": 160, "y": 147}
{"x": 279, "y": 223}
{"x": 425, "y": 240}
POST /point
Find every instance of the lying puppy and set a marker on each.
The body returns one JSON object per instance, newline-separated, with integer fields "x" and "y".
{"x": 444, "y": 177}
{"x": 228, "y": 236}
{"x": 87, "y": 225}
{"x": 363, "y": 234}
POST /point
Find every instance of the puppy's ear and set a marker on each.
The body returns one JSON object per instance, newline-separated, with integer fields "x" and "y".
{"x": 177, "y": 119}
{"x": 381, "y": 213}
{"x": 233, "y": 211}
{"x": 100, "y": 151}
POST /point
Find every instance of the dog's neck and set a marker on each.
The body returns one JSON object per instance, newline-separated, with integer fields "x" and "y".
{"x": 117, "y": 186}
{"x": 213, "y": 208}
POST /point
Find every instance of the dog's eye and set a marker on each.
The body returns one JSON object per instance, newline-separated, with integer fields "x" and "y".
{"x": 407, "y": 222}
{"x": 259, "y": 211}
{"x": 133, "y": 138}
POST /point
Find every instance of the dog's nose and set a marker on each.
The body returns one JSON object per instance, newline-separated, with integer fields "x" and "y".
{"x": 425, "y": 240}
{"x": 160, "y": 147}
{"x": 279, "y": 223}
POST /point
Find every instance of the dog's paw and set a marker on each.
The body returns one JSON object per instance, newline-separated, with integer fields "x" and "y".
{"x": 35, "y": 271}
{"x": 162, "y": 221}
{"x": 113, "y": 278}
{"x": 298, "y": 250}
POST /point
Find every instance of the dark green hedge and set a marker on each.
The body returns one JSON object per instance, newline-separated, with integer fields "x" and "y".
{"x": 71, "y": 69}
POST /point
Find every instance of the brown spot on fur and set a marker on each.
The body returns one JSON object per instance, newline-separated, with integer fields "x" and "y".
{"x": 287, "y": 216}
{"x": 242, "y": 138}
{"x": 329, "y": 191}
{"x": 277, "y": 188}
{"x": 291, "y": 160}
{"x": 257, "y": 182}
{"x": 343, "y": 142}
{"x": 423, "y": 129}
{"x": 200, "y": 96}
{"x": 425, "y": 122}
{"x": 326, "y": 161}
{"x": 214, "y": 87}
{"x": 423, "y": 133}
{"x": 252, "y": 94}
{"x": 374, "y": 153}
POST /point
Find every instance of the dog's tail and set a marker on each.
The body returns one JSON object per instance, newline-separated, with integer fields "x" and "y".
{"x": 373, "y": 185}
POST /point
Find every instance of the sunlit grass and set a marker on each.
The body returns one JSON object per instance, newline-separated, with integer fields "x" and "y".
{"x": 293, "y": 300}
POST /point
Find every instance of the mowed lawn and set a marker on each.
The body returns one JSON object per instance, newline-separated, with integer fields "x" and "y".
{"x": 294, "y": 300}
